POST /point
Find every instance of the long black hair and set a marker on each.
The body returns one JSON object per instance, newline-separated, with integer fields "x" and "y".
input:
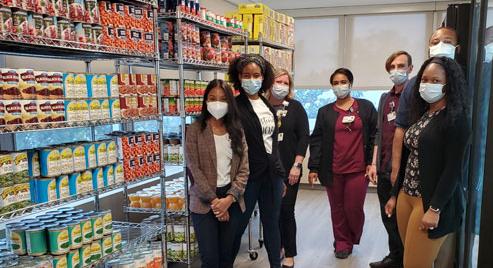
{"x": 455, "y": 91}
{"x": 237, "y": 66}
{"x": 230, "y": 120}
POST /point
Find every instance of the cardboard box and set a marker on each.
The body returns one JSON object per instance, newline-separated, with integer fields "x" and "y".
{"x": 254, "y": 9}
{"x": 248, "y": 24}
{"x": 261, "y": 27}
{"x": 254, "y": 49}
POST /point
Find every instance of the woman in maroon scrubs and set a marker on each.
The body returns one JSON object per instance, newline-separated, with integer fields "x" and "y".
{"x": 340, "y": 156}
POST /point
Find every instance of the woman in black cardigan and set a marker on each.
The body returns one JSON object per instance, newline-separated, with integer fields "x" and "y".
{"x": 294, "y": 134}
{"x": 340, "y": 156}
{"x": 252, "y": 75}
{"x": 430, "y": 199}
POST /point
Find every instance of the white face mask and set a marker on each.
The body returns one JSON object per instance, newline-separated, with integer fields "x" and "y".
{"x": 399, "y": 77}
{"x": 218, "y": 109}
{"x": 431, "y": 93}
{"x": 443, "y": 50}
{"x": 280, "y": 91}
{"x": 341, "y": 91}
{"x": 488, "y": 52}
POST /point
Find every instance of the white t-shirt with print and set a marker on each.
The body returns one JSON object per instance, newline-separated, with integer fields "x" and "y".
{"x": 266, "y": 121}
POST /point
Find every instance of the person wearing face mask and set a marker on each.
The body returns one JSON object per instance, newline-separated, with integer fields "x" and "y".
{"x": 217, "y": 157}
{"x": 340, "y": 158}
{"x": 430, "y": 198}
{"x": 399, "y": 66}
{"x": 293, "y": 138}
{"x": 252, "y": 75}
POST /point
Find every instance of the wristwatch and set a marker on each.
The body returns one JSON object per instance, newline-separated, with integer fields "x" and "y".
{"x": 298, "y": 165}
{"x": 436, "y": 210}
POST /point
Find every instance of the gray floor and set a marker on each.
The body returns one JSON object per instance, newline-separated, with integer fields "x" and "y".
{"x": 315, "y": 236}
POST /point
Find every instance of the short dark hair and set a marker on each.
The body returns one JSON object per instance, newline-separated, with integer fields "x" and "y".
{"x": 447, "y": 28}
{"x": 237, "y": 66}
{"x": 231, "y": 120}
{"x": 343, "y": 71}
{"x": 396, "y": 54}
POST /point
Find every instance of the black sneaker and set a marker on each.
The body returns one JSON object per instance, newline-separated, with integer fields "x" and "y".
{"x": 387, "y": 262}
{"x": 344, "y": 254}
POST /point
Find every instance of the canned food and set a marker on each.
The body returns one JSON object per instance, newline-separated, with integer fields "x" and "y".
{"x": 54, "y": 213}
{"x": 50, "y": 29}
{"x": 97, "y": 34}
{"x": 107, "y": 244}
{"x": 59, "y": 239}
{"x": 88, "y": 33}
{"x": 97, "y": 178}
{"x": 92, "y": 12}
{"x": 50, "y": 162}
{"x": 61, "y": 8}
{"x": 97, "y": 225}
{"x": 65, "y": 29}
{"x": 42, "y": 84}
{"x": 75, "y": 233}
{"x": 79, "y": 155}
{"x": 60, "y": 261}
{"x": 117, "y": 240}
{"x": 27, "y": 83}
{"x": 44, "y": 112}
{"x": 36, "y": 241}
{"x": 87, "y": 181}
{"x": 66, "y": 209}
{"x": 107, "y": 222}
{"x": 10, "y": 78}
{"x": 73, "y": 259}
{"x": 102, "y": 154}
{"x": 18, "y": 239}
{"x": 20, "y": 22}
{"x": 96, "y": 250}
{"x": 109, "y": 175}
{"x": 29, "y": 113}
{"x": 85, "y": 255}
{"x": 87, "y": 232}
{"x": 38, "y": 25}
{"x": 6, "y": 25}
{"x": 90, "y": 152}
{"x": 62, "y": 187}
{"x": 56, "y": 85}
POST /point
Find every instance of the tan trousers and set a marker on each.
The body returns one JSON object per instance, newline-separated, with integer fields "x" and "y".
{"x": 419, "y": 250}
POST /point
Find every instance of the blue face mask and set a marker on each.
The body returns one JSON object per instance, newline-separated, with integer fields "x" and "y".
{"x": 251, "y": 86}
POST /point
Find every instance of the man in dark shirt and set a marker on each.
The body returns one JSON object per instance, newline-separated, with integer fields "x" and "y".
{"x": 399, "y": 66}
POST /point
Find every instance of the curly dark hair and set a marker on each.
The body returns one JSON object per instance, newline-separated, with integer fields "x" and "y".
{"x": 231, "y": 120}
{"x": 237, "y": 66}
{"x": 455, "y": 91}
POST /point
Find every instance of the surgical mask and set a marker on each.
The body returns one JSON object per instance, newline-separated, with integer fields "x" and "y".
{"x": 431, "y": 93}
{"x": 280, "y": 91}
{"x": 251, "y": 86}
{"x": 341, "y": 91}
{"x": 218, "y": 109}
{"x": 399, "y": 77}
{"x": 488, "y": 52}
{"x": 443, "y": 50}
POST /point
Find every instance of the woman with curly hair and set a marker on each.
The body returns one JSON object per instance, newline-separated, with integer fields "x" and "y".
{"x": 252, "y": 75}
{"x": 430, "y": 200}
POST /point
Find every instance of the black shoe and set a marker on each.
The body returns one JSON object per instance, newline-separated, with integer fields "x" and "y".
{"x": 285, "y": 266}
{"x": 387, "y": 262}
{"x": 343, "y": 254}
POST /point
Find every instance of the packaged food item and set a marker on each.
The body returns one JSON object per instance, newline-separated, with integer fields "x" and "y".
{"x": 20, "y": 22}
{"x": 102, "y": 153}
{"x": 42, "y": 85}
{"x": 112, "y": 152}
{"x": 37, "y": 25}
{"x": 76, "y": 10}
{"x": 27, "y": 84}
{"x": 36, "y": 241}
{"x": 95, "y": 109}
{"x": 49, "y": 160}
{"x": 44, "y": 112}
{"x": 80, "y": 34}
{"x": 29, "y": 113}
{"x": 79, "y": 157}
{"x": 63, "y": 187}
{"x": 115, "y": 112}
{"x": 58, "y": 111}
{"x": 61, "y": 8}
{"x": 117, "y": 240}
{"x": 50, "y": 27}
{"x": 66, "y": 160}
{"x": 84, "y": 110}
{"x": 13, "y": 114}
{"x": 85, "y": 254}
{"x": 10, "y": 78}
{"x": 112, "y": 85}
{"x": 97, "y": 34}
{"x": 71, "y": 110}
{"x": 97, "y": 178}
{"x": 56, "y": 85}
{"x": 88, "y": 33}
{"x": 58, "y": 239}
{"x": 73, "y": 259}
{"x": 90, "y": 152}
{"x": 65, "y": 29}
{"x": 75, "y": 184}
{"x": 33, "y": 163}
{"x": 46, "y": 190}
{"x": 87, "y": 181}
{"x": 97, "y": 86}
{"x": 91, "y": 12}
{"x": 18, "y": 239}
{"x": 119, "y": 173}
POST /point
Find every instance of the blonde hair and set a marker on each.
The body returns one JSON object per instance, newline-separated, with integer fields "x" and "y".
{"x": 281, "y": 72}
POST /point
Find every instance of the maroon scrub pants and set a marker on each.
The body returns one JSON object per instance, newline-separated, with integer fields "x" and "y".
{"x": 347, "y": 198}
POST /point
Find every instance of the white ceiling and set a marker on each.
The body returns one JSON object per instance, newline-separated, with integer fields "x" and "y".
{"x": 297, "y": 4}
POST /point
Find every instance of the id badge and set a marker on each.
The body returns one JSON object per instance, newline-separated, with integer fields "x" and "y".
{"x": 391, "y": 116}
{"x": 280, "y": 137}
{"x": 348, "y": 119}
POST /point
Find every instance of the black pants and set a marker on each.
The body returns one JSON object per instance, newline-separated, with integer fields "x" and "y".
{"x": 288, "y": 222}
{"x": 268, "y": 193}
{"x": 216, "y": 238}
{"x": 395, "y": 244}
